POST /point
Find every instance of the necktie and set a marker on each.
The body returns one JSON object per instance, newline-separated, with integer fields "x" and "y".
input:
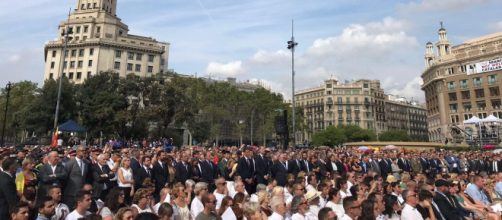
{"x": 81, "y": 164}
{"x": 495, "y": 168}
{"x": 147, "y": 171}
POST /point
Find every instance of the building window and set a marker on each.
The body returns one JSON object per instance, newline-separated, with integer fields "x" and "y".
{"x": 65, "y": 64}
{"x": 73, "y": 53}
{"x": 52, "y": 65}
{"x": 139, "y": 56}
{"x": 481, "y": 105}
{"x": 64, "y": 75}
{"x": 82, "y": 7}
{"x": 117, "y": 66}
{"x": 70, "y": 75}
{"x": 451, "y": 85}
{"x": 95, "y": 5}
{"x": 138, "y": 68}
{"x": 452, "y": 96}
{"x": 98, "y": 29}
{"x": 72, "y": 64}
{"x": 54, "y": 53}
{"x": 81, "y": 52}
{"x": 118, "y": 54}
{"x": 477, "y": 81}
{"x": 51, "y": 75}
{"x": 453, "y": 108}
{"x": 463, "y": 84}
{"x": 466, "y": 94}
{"x": 90, "y": 63}
{"x": 78, "y": 29}
{"x": 80, "y": 64}
{"x": 480, "y": 93}
{"x": 79, "y": 75}
{"x": 150, "y": 69}
{"x": 91, "y": 51}
{"x": 130, "y": 55}
{"x": 88, "y": 5}
{"x": 494, "y": 91}
{"x": 88, "y": 74}
{"x": 66, "y": 53}
{"x": 496, "y": 103}
{"x": 129, "y": 66}
{"x": 150, "y": 58}
{"x": 492, "y": 79}
{"x": 86, "y": 28}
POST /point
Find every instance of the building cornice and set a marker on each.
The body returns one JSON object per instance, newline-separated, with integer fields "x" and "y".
{"x": 104, "y": 43}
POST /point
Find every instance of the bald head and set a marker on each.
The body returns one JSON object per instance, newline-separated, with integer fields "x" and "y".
{"x": 52, "y": 158}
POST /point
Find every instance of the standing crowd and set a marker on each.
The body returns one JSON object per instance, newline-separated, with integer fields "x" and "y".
{"x": 252, "y": 183}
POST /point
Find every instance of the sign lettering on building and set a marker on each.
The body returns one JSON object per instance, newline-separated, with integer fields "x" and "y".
{"x": 487, "y": 66}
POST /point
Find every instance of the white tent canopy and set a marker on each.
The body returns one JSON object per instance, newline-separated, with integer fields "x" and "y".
{"x": 473, "y": 120}
{"x": 491, "y": 118}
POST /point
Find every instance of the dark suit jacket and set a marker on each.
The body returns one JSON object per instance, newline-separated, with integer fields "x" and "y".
{"x": 449, "y": 211}
{"x": 160, "y": 175}
{"x": 499, "y": 166}
{"x": 262, "y": 169}
{"x": 98, "y": 183}
{"x": 140, "y": 175}
{"x": 244, "y": 170}
{"x": 280, "y": 173}
{"x": 8, "y": 195}
{"x": 384, "y": 168}
{"x": 183, "y": 172}
{"x": 404, "y": 164}
{"x": 295, "y": 166}
{"x": 209, "y": 171}
{"x": 75, "y": 180}
{"x": 135, "y": 164}
{"x": 46, "y": 180}
{"x": 322, "y": 169}
{"x": 304, "y": 166}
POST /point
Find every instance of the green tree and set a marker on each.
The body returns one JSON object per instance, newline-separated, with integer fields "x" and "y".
{"x": 39, "y": 114}
{"x": 394, "y": 135}
{"x": 21, "y": 95}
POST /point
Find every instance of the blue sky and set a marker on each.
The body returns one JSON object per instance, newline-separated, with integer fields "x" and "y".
{"x": 345, "y": 39}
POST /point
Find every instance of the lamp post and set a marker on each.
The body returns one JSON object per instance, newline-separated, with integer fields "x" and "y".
{"x": 7, "y": 89}
{"x": 67, "y": 37}
{"x": 291, "y": 45}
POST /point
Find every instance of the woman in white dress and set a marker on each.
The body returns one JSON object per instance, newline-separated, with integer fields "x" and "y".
{"x": 125, "y": 179}
{"x": 335, "y": 202}
{"x": 180, "y": 203}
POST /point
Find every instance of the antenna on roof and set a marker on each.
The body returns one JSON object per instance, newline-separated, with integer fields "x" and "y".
{"x": 441, "y": 23}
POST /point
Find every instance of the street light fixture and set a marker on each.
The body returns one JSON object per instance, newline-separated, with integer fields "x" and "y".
{"x": 291, "y": 46}
{"x": 7, "y": 89}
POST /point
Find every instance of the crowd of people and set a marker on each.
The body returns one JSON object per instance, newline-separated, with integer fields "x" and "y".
{"x": 252, "y": 183}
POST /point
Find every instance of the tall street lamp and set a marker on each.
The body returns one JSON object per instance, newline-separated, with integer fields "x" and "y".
{"x": 67, "y": 37}
{"x": 7, "y": 89}
{"x": 291, "y": 45}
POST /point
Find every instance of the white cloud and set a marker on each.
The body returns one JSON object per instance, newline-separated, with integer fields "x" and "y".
{"x": 497, "y": 26}
{"x": 438, "y": 5}
{"x": 375, "y": 38}
{"x": 14, "y": 58}
{"x": 230, "y": 69}
{"x": 411, "y": 90}
{"x": 266, "y": 57}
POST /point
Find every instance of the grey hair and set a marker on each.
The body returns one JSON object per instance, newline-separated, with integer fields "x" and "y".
{"x": 199, "y": 186}
{"x": 101, "y": 157}
{"x": 276, "y": 201}
{"x": 295, "y": 204}
{"x": 189, "y": 182}
{"x": 250, "y": 208}
{"x": 261, "y": 187}
{"x": 404, "y": 194}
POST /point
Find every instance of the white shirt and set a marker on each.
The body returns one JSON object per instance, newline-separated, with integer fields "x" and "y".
{"x": 127, "y": 176}
{"x": 345, "y": 194}
{"x": 275, "y": 216}
{"x": 62, "y": 211}
{"x": 310, "y": 188}
{"x": 410, "y": 213}
{"x": 219, "y": 198}
{"x": 75, "y": 215}
{"x": 196, "y": 207}
{"x": 298, "y": 216}
{"x": 399, "y": 198}
{"x": 337, "y": 208}
{"x": 346, "y": 217}
{"x": 313, "y": 211}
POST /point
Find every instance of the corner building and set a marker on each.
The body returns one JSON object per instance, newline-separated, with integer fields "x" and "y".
{"x": 99, "y": 41}
{"x": 460, "y": 82}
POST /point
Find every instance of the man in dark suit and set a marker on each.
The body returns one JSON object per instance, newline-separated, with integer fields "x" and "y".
{"x": 262, "y": 168}
{"x": 384, "y": 167}
{"x": 495, "y": 165}
{"x": 160, "y": 174}
{"x": 77, "y": 170}
{"x": 445, "y": 202}
{"x": 143, "y": 172}
{"x": 101, "y": 176}
{"x": 307, "y": 166}
{"x": 8, "y": 193}
{"x": 135, "y": 164}
{"x": 295, "y": 164}
{"x": 51, "y": 174}
{"x": 280, "y": 170}
{"x": 209, "y": 170}
{"x": 403, "y": 163}
{"x": 222, "y": 164}
{"x": 246, "y": 169}
{"x": 183, "y": 168}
